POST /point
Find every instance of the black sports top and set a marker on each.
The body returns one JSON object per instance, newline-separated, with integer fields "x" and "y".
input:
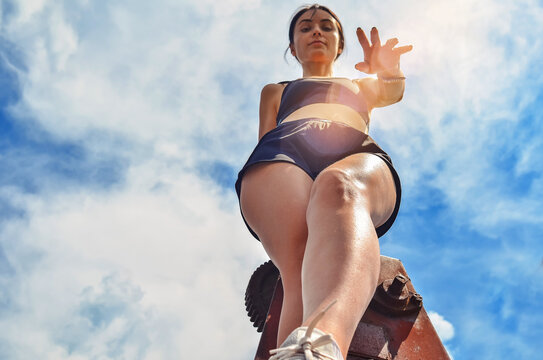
{"x": 302, "y": 92}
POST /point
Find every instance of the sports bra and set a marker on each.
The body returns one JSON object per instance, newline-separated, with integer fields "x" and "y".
{"x": 301, "y": 92}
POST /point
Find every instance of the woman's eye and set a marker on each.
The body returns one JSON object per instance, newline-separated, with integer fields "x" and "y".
{"x": 327, "y": 28}
{"x": 305, "y": 29}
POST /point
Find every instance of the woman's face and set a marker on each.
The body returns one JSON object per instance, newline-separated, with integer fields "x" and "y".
{"x": 316, "y": 37}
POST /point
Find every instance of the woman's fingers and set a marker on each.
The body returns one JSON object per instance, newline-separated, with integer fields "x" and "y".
{"x": 363, "y": 39}
{"x": 363, "y": 66}
{"x": 391, "y": 43}
{"x": 403, "y": 49}
{"x": 374, "y": 57}
{"x": 375, "y": 37}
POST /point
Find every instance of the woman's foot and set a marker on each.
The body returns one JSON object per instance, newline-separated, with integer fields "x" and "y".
{"x": 308, "y": 343}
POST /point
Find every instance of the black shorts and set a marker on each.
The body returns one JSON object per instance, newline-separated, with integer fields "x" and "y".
{"x": 313, "y": 144}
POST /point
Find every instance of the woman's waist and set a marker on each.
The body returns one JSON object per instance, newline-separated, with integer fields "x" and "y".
{"x": 314, "y": 123}
{"x": 336, "y": 113}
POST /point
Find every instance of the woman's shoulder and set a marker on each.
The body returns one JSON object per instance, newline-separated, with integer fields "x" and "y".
{"x": 275, "y": 86}
{"x": 273, "y": 89}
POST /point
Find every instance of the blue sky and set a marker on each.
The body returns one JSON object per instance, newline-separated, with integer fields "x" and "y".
{"x": 123, "y": 125}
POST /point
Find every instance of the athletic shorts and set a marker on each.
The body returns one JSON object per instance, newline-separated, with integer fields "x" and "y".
{"x": 313, "y": 144}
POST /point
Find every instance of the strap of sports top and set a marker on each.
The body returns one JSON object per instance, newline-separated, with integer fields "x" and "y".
{"x": 287, "y": 82}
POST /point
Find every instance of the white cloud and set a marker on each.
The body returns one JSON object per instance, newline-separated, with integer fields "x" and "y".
{"x": 152, "y": 269}
{"x": 27, "y": 9}
{"x": 138, "y": 71}
{"x": 444, "y": 329}
{"x": 464, "y": 98}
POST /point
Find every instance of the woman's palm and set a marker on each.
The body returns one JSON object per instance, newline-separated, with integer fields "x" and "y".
{"x": 377, "y": 57}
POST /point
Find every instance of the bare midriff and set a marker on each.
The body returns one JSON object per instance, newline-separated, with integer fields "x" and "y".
{"x": 332, "y": 112}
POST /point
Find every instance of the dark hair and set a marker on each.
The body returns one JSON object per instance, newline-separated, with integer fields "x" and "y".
{"x": 302, "y": 10}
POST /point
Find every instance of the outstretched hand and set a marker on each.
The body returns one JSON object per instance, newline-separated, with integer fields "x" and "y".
{"x": 379, "y": 58}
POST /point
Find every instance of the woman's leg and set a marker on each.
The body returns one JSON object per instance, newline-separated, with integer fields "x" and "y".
{"x": 341, "y": 261}
{"x": 274, "y": 198}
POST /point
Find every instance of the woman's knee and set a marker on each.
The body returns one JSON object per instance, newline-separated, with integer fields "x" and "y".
{"x": 366, "y": 187}
{"x": 338, "y": 187}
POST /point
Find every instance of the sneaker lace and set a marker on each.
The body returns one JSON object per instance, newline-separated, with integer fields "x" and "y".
{"x": 306, "y": 346}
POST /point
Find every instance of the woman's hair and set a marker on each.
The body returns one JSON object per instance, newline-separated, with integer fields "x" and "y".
{"x": 313, "y": 7}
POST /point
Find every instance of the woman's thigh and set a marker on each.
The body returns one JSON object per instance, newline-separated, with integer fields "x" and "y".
{"x": 274, "y": 198}
{"x": 366, "y": 174}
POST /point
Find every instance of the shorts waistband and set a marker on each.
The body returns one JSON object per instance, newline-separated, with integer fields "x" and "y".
{"x": 313, "y": 119}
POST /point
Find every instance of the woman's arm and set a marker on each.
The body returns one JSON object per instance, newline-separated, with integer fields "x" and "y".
{"x": 386, "y": 90}
{"x": 383, "y": 60}
{"x": 270, "y": 97}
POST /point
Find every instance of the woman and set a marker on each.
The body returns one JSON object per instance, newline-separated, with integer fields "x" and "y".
{"x": 317, "y": 191}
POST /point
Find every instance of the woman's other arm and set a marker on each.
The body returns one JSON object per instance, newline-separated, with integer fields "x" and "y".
{"x": 270, "y": 98}
{"x": 383, "y": 60}
{"x": 386, "y": 90}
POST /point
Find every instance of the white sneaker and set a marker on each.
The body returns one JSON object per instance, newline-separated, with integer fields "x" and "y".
{"x": 308, "y": 343}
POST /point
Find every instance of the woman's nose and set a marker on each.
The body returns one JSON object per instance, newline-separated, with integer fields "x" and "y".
{"x": 316, "y": 31}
